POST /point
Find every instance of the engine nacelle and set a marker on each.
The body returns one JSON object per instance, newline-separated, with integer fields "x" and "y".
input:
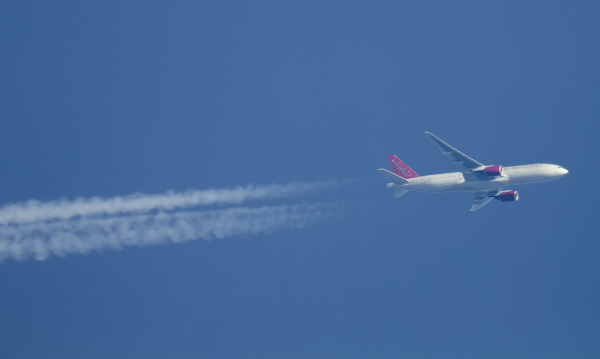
{"x": 508, "y": 196}
{"x": 493, "y": 171}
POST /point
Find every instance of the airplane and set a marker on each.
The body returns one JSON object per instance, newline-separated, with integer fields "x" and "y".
{"x": 486, "y": 182}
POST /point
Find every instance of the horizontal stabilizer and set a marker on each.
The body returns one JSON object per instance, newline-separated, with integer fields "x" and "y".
{"x": 392, "y": 177}
{"x": 399, "y": 192}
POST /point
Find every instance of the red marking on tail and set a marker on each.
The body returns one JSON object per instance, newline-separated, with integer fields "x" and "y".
{"x": 401, "y": 169}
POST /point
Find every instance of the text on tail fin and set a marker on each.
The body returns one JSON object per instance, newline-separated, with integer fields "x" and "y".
{"x": 401, "y": 169}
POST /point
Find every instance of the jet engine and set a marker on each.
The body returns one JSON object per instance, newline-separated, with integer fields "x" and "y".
{"x": 493, "y": 171}
{"x": 508, "y": 196}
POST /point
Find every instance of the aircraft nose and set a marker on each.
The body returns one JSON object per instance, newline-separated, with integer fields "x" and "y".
{"x": 562, "y": 171}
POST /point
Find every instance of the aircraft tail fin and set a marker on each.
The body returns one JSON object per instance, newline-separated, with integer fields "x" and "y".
{"x": 401, "y": 169}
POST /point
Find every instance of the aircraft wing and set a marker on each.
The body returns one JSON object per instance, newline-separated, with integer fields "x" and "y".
{"x": 481, "y": 198}
{"x": 464, "y": 162}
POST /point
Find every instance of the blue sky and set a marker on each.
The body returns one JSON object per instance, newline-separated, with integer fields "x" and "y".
{"x": 113, "y": 98}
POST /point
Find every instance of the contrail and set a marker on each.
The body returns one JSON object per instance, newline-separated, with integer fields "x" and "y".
{"x": 83, "y": 235}
{"x": 41, "y": 229}
{"x": 33, "y": 210}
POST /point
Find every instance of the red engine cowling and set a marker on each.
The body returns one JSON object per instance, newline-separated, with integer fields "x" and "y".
{"x": 493, "y": 171}
{"x": 508, "y": 196}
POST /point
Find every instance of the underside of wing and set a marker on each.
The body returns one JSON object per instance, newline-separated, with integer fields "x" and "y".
{"x": 464, "y": 162}
{"x": 481, "y": 198}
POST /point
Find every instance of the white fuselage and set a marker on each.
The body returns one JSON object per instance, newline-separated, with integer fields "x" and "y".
{"x": 456, "y": 181}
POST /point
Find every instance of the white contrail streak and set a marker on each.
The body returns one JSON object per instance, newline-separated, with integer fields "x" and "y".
{"x": 85, "y": 234}
{"x": 64, "y": 209}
